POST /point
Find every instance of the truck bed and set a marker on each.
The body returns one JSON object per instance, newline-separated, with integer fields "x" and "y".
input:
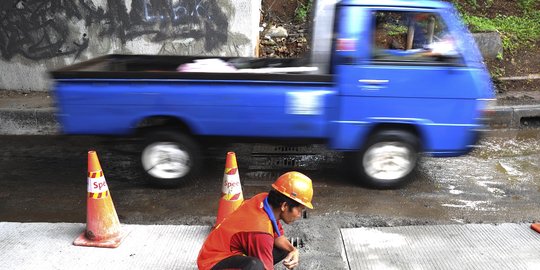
{"x": 165, "y": 67}
{"x": 116, "y": 94}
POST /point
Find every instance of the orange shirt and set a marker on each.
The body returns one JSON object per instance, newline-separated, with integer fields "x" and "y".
{"x": 249, "y": 217}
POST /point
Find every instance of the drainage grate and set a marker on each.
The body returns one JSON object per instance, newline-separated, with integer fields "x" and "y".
{"x": 305, "y": 162}
{"x": 533, "y": 121}
{"x": 260, "y": 178}
{"x": 272, "y": 162}
{"x": 264, "y": 149}
{"x": 255, "y": 183}
{"x": 266, "y": 178}
{"x": 266, "y": 175}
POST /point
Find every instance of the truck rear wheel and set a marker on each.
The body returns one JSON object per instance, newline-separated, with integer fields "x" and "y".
{"x": 169, "y": 158}
{"x": 388, "y": 159}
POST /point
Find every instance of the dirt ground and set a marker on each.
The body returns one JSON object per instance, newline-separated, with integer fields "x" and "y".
{"x": 522, "y": 62}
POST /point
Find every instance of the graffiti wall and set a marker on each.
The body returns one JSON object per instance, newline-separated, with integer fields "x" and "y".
{"x": 37, "y": 35}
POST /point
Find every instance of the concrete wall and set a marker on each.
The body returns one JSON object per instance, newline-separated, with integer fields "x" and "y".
{"x": 39, "y": 35}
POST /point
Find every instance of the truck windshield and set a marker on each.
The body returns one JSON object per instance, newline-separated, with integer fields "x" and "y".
{"x": 412, "y": 36}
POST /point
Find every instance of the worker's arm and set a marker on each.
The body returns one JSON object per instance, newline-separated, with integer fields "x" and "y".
{"x": 291, "y": 261}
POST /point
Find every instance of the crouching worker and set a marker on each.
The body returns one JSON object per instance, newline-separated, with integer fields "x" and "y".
{"x": 252, "y": 236}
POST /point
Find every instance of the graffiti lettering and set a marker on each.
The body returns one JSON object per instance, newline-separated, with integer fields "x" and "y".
{"x": 181, "y": 11}
{"x": 43, "y": 29}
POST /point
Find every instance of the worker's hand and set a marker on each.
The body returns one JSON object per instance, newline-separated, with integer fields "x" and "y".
{"x": 291, "y": 261}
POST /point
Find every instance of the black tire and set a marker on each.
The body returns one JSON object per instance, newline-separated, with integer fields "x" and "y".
{"x": 169, "y": 158}
{"x": 388, "y": 159}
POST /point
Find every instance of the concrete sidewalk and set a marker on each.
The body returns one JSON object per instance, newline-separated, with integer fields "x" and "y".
{"x": 519, "y": 109}
{"x": 471, "y": 246}
{"x": 35, "y": 113}
{"x": 49, "y": 246}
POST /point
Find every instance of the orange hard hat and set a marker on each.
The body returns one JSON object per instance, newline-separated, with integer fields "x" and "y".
{"x": 296, "y": 186}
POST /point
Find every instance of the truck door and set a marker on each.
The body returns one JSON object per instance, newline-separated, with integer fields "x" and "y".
{"x": 403, "y": 66}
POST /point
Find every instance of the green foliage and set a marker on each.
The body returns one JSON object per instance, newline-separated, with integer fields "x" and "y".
{"x": 496, "y": 72}
{"x": 396, "y": 29}
{"x": 515, "y": 31}
{"x": 302, "y": 10}
{"x": 473, "y": 3}
{"x": 527, "y": 5}
{"x": 459, "y": 7}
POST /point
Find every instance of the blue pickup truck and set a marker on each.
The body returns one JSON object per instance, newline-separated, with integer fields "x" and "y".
{"x": 385, "y": 81}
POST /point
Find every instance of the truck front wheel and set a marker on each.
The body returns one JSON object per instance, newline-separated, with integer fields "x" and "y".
{"x": 169, "y": 158}
{"x": 388, "y": 159}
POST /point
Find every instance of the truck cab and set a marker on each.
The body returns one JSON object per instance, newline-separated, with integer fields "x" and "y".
{"x": 409, "y": 78}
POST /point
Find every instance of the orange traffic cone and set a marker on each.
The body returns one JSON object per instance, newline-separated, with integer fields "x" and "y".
{"x": 102, "y": 224}
{"x": 231, "y": 193}
{"x": 536, "y": 227}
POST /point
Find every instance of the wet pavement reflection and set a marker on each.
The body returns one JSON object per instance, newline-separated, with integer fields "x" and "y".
{"x": 44, "y": 179}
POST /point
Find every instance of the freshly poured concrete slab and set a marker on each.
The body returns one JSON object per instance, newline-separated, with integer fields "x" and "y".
{"x": 472, "y": 246}
{"x": 49, "y": 246}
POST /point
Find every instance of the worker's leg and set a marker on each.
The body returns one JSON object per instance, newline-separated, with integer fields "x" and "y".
{"x": 279, "y": 254}
{"x": 240, "y": 262}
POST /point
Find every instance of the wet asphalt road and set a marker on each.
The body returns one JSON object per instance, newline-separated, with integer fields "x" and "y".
{"x": 43, "y": 179}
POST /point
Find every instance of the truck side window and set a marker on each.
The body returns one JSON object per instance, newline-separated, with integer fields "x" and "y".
{"x": 411, "y": 37}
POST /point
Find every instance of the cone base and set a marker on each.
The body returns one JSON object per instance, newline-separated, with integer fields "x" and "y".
{"x": 536, "y": 227}
{"x": 112, "y": 242}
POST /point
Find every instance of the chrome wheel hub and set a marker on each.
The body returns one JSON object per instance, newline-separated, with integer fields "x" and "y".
{"x": 165, "y": 160}
{"x": 388, "y": 161}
